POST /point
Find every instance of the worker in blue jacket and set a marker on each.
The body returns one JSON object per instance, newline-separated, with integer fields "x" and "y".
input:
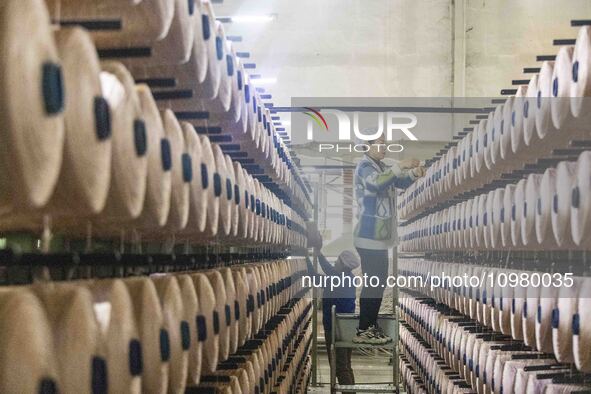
{"x": 343, "y": 298}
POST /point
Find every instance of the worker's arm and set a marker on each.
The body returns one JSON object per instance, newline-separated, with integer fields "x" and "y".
{"x": 377, "y": 182}
{"x": 327, "y": 267}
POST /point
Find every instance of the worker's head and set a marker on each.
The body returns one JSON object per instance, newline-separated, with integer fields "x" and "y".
{"x": 377, "y": 148}
{"x": 347, "y": 261}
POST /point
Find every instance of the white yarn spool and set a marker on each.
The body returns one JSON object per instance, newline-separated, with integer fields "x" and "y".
{"x": 209, "y": 87}
{"x": 543, "y": 112}
{"x": 31, "y": 107}
{"x": 159, "y": 179}
{"x": 177, "y": 46}
{"x": 530, "y": 309}
{"x": 141, "y": 23}
{"x": 561, "y": 207}
{"x": 179, "y": 200}
{"x": 178, "y": 329}
{"x": 231, "y": 196}
{"x": 517, "y": 302}
{"x": 495, "y": 153}
{"x": 243, "y": 306}
{"x": 488, "y": 219}
{"x": 505, "y": 214}
{"x": 129, "y": 164}
{"x": 191, "y": 313}
{"x": 479, "y": 217}
{"x": 250, "y": 205}
{"x": 517, "y": 213}
{"x": 27, "y": 362}
{"x": 153, "y": 336}
{"x": 474, "y": 222}
{"x": 84, "y": 178}
{"x": 254, "y": 296}
{"x": 562, "y": 321}
{"x": 546, "y": 304}
{"x": 193, "y": 175}
{"x": 580, "y": 211}
{"x": 506, "y": 126}
{"x": 218, "y": 285}
{"x": 220, "y": 179}
{"x": 580, "y": 81}
{"x": 581, "y": 332}
{"x": 75, "y": 336}
{"x": 505, "y": 305}
{"x": 517, "y": 121}
{"x": 240, "y": 198}
{"x": 561, "y": 80}
{"x": 207, "y": 322}
{"x": 120, "y": 345}
{"x": 495, "y": 217}
{"x": 230, "y": 319}
{"x": 529, "y": 111}
{"x": 221, "y": 103}
{"x": 528, "y": 222}
{"x": 487, "y": 140}
{"x": 544, "y": 207}
{"x": 212, "y": 186}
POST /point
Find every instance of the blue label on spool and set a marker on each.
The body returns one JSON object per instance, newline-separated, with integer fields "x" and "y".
{"x": 47, "y": 386}
{"x": 525, "y": 309}
{"x": 576, "y": 324}
{"x": 576, "y": 197}
{"x": 555, "y": 318}
{"x": 539, "y": 99}
{"x": 140, "y": 137}
{"x": 201, "y": 328}
{"x": 216, "y": 323}
{"x": 219, "y": 48}
{"x": 555, "y": 203}
{"x": 485, "y": 140}
{"x": 250, "y": 305}
{"x": 52, "y": 88}
{"x": 239, "y": 77}
{"x": 258, "y": 299}
{"x": 502, "y": 126}
{"x": 187, "y": 168}
{"x": 246, "y": 199}
{"x": 135, "y": 358}
{"x": 525, "y": 109}
{"x": 229, "y": 65}
{"x": 258, "y": 207}
{"x": 555, "y": 87}
{"x": 263, "y": 210}
{"x": 185, "y": 335}
{"x": 217, "y": 184}
{"x": 164, "y": 345}
{"x": 576, "y": 71}
{"x": 539, "y": 206}
{"x": 205, "y": 27}
{"x": 228, "y": 189}
{"x": 513, "y": 212}
{"x": 99, "y": 380}
{"x": 485, "y": 219}
{"x": 228, "y": 312}
{"x": 247, "y": 94}
{"x": 102, "y": 118}
{"x": 252, "y": 204}
{"x": 513, "y": 119}
{"x": 236, "y": 310}
{"x": 236, "y": 194}
{"x": 191, "y": 4}
{"x": 204, "y": 176}
{"x": 165, "y": 154}
{"x": 539, "y": 314}
{"x": 525, "y": 209}
{"x": 513, "y": 306}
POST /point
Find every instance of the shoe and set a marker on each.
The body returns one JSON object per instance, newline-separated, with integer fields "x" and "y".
{"x": 379, "y": 333}
{"x": 368, "y": 337}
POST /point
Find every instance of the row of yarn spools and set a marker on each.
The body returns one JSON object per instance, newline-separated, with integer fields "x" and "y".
{"x": 83, "y": 142}
{"x": 473, "y": 360}
{"x": 549, "y": 210}
{"x": 547, "y": 310}
{"x": 154, "y": 335}
{"x": 550, "y": 113}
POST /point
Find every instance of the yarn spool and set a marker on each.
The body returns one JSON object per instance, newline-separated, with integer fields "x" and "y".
{"x": 191, "y": 313}
{"x": 231, "y": 308}
{"x": 487, "y": 218}
{"x": 231, "y": 196}
{"x": 28, "y": 176}
{"x": 530, "y": 309}
{"x": 543, "y": 113}
{"x": 221, "y": 190}
{"x": 193, "y": 174}
{"x": 120, "y": 346}
{"x": 514, "y": 367}
{"x": 562, "y": 321}
{"x": 159, "y": 178}
{"x": 208, "y": 87}
{"x": 529, "y": 108}
{"x": 218, "y": 285}
{"x": 243, "y": 305}
{"x": 580, "y": 82}
{"x": 495, "y": 217}
{"x": 75, "y": 337}
{"x": 254, "y": 298}
{"x": 561, "y": 100}
{"x": 517, "y": 216}
{"x": 505, "y": 306}
{"x": 213, "y": 187}
{"x": 121, "y": 23}
{"x": 495, "y": 153}
{"x": 207, "y": 322}
{"x": 178, "y": 329}
{"x": 129, "y": 164}
{"x": 506, "y": 216}
{"x": 152, "y": 334}
{"x": 506, "y": 125}
{"x": 241, "y": 199}
{"x": 544, "y": 208}
{"x": 488, "y": 141}
{"x": 84, "y": 178}
{"x": 561, "y": 207}
{"x": 231, "y": 68}
{"x": 517, "y": 303}
{"x": 546, "y": 304}
{"x": 180, "y": 186}
{"x": 580, "y": 211}
{"x": 581, "y": 327}
{"x": 517, "y": 120}
{"x": 222, "y": 102}
{"x": 528, "y": 222}
{"x": 249, "y": 204}
{"x": 27, "y": 362}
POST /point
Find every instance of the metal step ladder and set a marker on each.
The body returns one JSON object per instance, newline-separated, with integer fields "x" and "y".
{"x": 344, "y": 328}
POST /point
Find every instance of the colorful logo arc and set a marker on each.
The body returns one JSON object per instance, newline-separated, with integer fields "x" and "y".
{"x": 317, "y": 117}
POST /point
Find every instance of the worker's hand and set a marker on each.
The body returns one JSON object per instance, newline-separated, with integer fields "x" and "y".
{"x": 418, "y": 172}
{"x": 314, "y": 236}
{"x": 407, "y": 164}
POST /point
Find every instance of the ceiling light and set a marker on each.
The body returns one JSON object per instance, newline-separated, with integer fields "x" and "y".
{"x": 252, "y": 18}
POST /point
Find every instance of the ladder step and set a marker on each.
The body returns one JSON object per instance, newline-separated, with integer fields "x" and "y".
{"x": 365, "y": 388}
